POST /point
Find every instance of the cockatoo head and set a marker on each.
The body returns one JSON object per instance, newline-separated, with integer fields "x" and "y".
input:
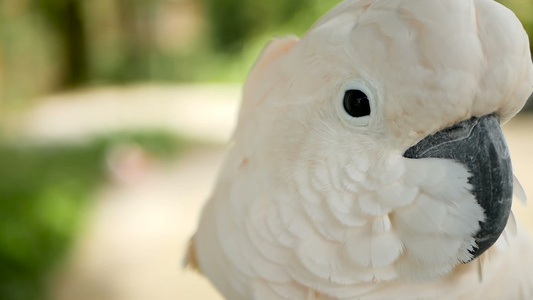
{"x": 383, "y": 124}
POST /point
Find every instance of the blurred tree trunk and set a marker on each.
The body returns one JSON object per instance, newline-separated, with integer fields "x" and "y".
{"x": 67, "y": 16}
{"x": 75, "y": 44}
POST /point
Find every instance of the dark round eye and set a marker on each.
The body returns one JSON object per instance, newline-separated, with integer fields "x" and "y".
{"x": 356, "y": 103}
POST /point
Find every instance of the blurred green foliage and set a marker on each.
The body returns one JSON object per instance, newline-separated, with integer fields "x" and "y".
{"x": 51, "y": 45}
{"x": 233, "y": 22}
{"x": 45, "y": 192}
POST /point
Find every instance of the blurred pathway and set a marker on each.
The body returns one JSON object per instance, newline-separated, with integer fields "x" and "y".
{"x": 202, "y": 112}
{"x": 136, "y": 238}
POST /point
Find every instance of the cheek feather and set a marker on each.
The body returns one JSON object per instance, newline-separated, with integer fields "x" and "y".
{"x": 419, "y": 227}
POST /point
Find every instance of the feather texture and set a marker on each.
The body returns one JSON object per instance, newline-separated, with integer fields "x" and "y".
{"x": 312, "y": 204}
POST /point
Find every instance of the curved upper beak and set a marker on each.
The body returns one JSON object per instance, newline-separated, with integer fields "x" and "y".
{"x": 478, "y": 144}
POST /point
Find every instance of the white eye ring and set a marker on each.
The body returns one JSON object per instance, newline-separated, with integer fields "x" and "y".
{"x": 366, "y": 108}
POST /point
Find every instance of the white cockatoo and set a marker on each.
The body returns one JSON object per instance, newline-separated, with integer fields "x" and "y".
{"x": 368, "y": 161}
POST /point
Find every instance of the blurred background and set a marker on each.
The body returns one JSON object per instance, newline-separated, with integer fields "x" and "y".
{"x": 113, "y": 120}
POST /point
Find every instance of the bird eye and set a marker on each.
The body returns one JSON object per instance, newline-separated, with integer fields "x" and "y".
{"x": 356, "y": 103}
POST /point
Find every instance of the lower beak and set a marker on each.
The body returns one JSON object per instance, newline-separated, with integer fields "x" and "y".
{"x": 479, "y": 145}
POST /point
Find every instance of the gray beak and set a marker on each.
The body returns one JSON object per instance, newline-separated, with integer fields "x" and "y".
{"x": 478, "y": 144}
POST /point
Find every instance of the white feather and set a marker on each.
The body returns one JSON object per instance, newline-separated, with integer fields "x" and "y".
{"x": 518, "y": 191}
{"x": 311, "y": 204}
